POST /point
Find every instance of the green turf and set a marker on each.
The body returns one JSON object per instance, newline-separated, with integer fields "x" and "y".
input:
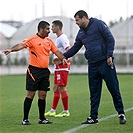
{"x": 12, "y": 94}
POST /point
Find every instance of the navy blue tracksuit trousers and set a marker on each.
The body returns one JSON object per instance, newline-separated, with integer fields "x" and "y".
{"x": 96, "y": 73}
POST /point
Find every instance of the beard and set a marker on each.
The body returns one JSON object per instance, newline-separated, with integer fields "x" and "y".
{"x": 82, "y": 26}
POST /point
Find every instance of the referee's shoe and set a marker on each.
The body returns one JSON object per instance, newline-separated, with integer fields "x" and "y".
{"x": 45, "y": 121}
{"x": 26, "y": 122}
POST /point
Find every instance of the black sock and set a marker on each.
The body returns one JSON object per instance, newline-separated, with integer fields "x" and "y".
{"x": 27, "y": 106}
{"x": 41, "y": 106}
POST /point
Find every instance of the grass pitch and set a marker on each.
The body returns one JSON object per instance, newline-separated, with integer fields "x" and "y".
{"x": 12, "y": 94}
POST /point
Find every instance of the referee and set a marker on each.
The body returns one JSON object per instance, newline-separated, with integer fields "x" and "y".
{"x": 37, "y": 77}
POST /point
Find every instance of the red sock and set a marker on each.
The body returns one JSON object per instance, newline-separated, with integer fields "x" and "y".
{"x": 56, "y": 100}
{"x": 64, "y": 97}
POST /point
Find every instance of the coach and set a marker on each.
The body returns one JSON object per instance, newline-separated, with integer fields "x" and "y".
{"x": 99, "y": 43}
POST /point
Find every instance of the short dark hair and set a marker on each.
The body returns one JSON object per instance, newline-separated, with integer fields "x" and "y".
{"x": 42, "y": 24}
{"x": 81, "y": 13}
{"x": 58, "y": 23}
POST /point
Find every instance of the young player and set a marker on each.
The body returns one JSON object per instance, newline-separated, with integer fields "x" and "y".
{"x": 60, "y": 73}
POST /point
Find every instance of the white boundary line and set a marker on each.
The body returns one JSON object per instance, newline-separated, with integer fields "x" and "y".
{"x": 102, "y": 119}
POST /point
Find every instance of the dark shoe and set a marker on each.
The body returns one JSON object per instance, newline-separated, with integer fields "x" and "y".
{"x": 90, "y": 121}
{"x": 45, "y": 121}
{"x": 122, "y": 119}
{"x": 26, "y": 122}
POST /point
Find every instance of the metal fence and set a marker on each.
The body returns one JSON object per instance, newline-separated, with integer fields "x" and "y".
{"x": 17, "y": 62}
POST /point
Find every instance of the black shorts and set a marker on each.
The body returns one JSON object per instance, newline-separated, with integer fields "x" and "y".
{"x": 37, "y": 79}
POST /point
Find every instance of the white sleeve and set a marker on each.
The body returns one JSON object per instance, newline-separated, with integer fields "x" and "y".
{"x": 64, "y": 41}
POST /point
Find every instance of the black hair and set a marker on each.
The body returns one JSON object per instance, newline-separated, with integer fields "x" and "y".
{"x": 58, "y": 23}
{"x": 42, "y": 24}
{"x": 81, "y": 13}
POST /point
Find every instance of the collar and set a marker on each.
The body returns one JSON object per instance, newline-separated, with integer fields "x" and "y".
{"x": 40, "y": 36}
{"x": 60, "y": 34}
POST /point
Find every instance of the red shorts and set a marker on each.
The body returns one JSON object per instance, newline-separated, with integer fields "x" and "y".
{"x": 61, "y": 78}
